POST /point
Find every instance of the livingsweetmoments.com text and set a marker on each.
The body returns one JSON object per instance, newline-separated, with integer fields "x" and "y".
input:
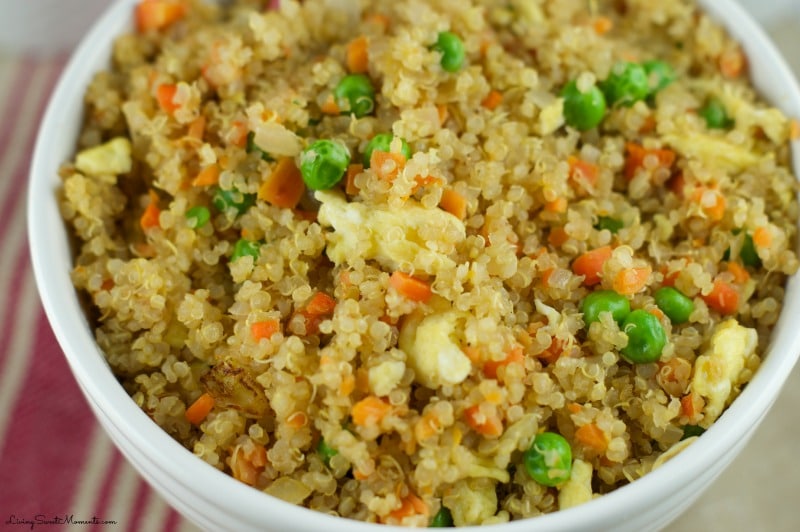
{"x": 47, "y": 520}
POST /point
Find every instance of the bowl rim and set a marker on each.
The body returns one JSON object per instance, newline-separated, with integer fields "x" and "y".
{"x": 217, "y": 489}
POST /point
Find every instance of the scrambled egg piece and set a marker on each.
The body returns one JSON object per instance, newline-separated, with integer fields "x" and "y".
{"x": 551, "y": 117}
{"x": 713, "y": 151}
{"x": 110, "y": 159}
{"x": 472, "y": 501}
{"x": 410, "y": 235}
{"x": 578, "y": 489}
{"x": 384, "y": 377}
{"x": 716, "y": 373}
{"x": 432, "y": 350}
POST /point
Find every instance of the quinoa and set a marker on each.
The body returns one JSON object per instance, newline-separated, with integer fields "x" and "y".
{"x": 392, "y": 346}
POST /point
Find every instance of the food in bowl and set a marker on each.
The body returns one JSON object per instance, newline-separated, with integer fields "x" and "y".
{"x": 431, "y": 263}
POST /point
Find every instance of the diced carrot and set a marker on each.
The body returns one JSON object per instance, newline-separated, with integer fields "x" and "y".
{"x": 602, "y": 25}
{"x": 330, "y": 107}
{"x": 411, "y": 287}
{"x": 574, "y": 408}
{"x": 649, "y": 124}
{"x": 657, "y": 312}
{"x": 151, "y": 213}
{"x": 379, "y": 19}
{"x": 553, "y": 351}
{"x": 582, "y": 172}
{"x": 208, "y": 176}
{"x": 732, "y": 63}
{"x": 557, "y": 237}
{"x": 238, "y": 136}
{"x": 723, "y": 298}
{"x": 492, "y": 100}
{"x": 637, "y": 154}
{"x": 158, "y": 14}
{"x": 196, "y": 128}
{"x": 632, "y": 280}
{"x": 200, "y": 409}
{"x": 350, "y": 182}
{"x": 454, "y": 203}
{"x": 488, "y": 425}
{"x": 297, "y": 420}
{"x": 427, "y": 426}
{"x": 284, "y": 186}
{"x": 263, "y": 330}
{"x": 546, "y": 273}
{"x": 347, "y": 385}
{"x": 369, "y": 411}
{"x": 387, "y": 164}
{"x": 740, "y": 274}
{"x": 473, "y": 353}
{"x": 670, "y": 277}
{"x": 357, "y": 55}
{"x": 514, "y": 356}
{"x": 247, "y": 462}
{"x": 794, "y": 129}
{"x": 762, "y": 237}
{"x": 558, "y": 205}
{"x": 592, "y": 437}
{"x": 590, "y": 265}
{"x": 165, "y": 94}
{"x": 426, "y": 181}
{"x": 711, "y": 201}
{"x": 320, "y": 304}
{"x": 441, "y": 109}
{"x": 688, "y": 407}
{"x": 410, "y": 505}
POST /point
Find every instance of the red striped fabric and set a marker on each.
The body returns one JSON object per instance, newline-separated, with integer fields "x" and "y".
{"x": 55, "y": 461}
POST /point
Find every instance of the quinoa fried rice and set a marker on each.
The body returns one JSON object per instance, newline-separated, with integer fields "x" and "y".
{"x": 388, "y": 349}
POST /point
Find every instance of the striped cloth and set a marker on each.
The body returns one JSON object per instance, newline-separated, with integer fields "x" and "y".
{"x": 55, "y": 459}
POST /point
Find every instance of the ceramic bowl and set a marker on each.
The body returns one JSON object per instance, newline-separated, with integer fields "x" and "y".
{"x": 214, "y": 500}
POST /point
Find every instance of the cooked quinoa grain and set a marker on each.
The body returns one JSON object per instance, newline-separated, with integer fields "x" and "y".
{"x": 523, "y": 228}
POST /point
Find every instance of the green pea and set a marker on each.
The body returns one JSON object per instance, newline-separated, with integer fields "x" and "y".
{"x": 659, "y": 74}
{"x": 326, "y": 452}
{"x": 245, "y": 248}
{"x": 601, "y": 301}
{"x": 583, "y": 110}
{"x": 646, "y": 337}
{"x": 451, "y": 47}
{"x": 549, "y": 459}
{"x": 692, "y": 430}
{"x": 627, "y": 84}
{"x": 252, "y": 147}
{"x": 674, "y": 304}
{"x": 715, "y": 115}
{"x": 442, "y": 519}
{"x": 748, "y": 252}
{"x": 606, "y": 222}
{"x": 355, "y": 94}
{"x": 383, "y": 142}
{"x": 197, "y": 217}
{"x": 230, "y": 200}
{"x": 323, "y": 164}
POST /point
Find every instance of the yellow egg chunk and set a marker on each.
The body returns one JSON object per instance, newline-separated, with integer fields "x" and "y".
{"x": 393, "y": 237}
{"x": 578, "y": 489}
{"x": 432, "y": 351}
{"x": 716, "y": 373}
{"x": 110, "y": 159}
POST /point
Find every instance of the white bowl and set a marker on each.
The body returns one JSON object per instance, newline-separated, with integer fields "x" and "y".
{"x": 216, "y": 501}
